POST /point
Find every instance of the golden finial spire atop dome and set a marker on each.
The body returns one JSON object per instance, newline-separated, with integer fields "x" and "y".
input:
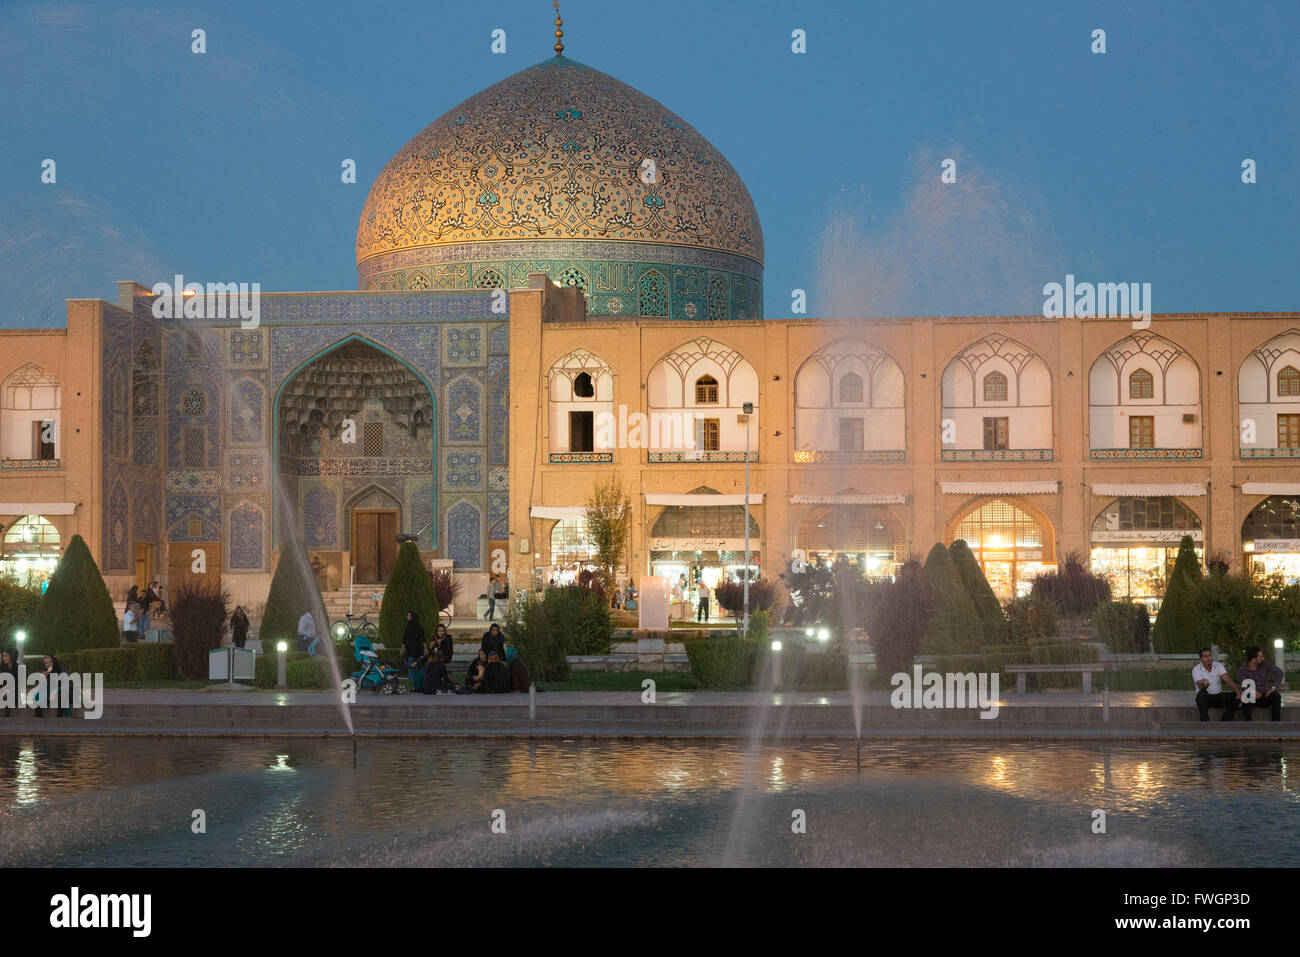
{"x": 559, "y": 30}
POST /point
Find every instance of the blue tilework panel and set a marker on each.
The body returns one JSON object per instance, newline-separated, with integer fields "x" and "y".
{"x": 465, "y": 535}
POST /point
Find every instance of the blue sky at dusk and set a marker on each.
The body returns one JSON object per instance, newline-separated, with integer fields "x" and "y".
{"x": 1124, "y": 166}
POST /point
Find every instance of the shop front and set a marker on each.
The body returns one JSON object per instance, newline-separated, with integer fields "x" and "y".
{"x": 700, "y": 537}
{"x": 1135, "y": 539}
{"x": 31, "y": 550}
{"x": 853, "y": 528}
{"x": 1008, "y": 542}
{"x": 1270, "y": 535}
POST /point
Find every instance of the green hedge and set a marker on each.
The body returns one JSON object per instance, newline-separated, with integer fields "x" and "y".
{"x": 309, "y": 674}
{"x": 997, "y": 657}
{"x": 76, "y": 611}
{"x": 1031, "y": 619}
{"x": 17, "y": 610}
{"x": 719, "y": 662}
{"x": 1113, "y": 623}
{"x": 827, "y": 672}
{"x": 1062, "y": 652}
{"x": 144, "y": 662}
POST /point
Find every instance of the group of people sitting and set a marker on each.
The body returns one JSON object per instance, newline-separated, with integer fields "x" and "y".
{"x": 140, "y": 608}
{"x": 46, "y": 696}
{"x": 496, "y": 669}
{"x": 1265, "y": 686}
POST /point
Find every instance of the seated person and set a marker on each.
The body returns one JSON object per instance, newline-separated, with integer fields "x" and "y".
{"x": 307, "y": 633}
{"x": 498, "y": 677}
{"x": 494, "y": 643}
{"x": 1267, "y": 678}
{"x": 476, "y": 677}
{"x": 437, "y": 680}
{"x": 519, "y": 678}
{"x": 1208, "y": 676}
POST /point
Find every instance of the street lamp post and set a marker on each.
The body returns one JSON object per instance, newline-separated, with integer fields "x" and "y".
{"x": 749, "y": 410}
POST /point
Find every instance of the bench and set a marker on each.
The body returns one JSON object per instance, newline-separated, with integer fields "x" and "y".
{"x": 1086, "y": 669}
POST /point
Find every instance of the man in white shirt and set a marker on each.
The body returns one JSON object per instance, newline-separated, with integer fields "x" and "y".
{"x": 702, "y": 611}
{"x": 307, "y": 632}
{"x": 1208, "y": 676}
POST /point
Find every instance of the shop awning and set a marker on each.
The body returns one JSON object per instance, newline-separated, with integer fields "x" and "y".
{"x": 704, "y": 499}
{"x": 1111, "y": 489}
{"x": 560, "y": 512}
{"x": 850, "y": 499}
{"x": 1270, "y": 488}
{"x": 999, "y": 488}
{"x": 37, "y": 508}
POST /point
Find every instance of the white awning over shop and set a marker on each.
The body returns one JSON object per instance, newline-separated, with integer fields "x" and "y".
{"x": 37, "y": 508}
{"x": 704, "y": 498}
{"x": 560, "y": 512}
{"x": 1148, "y": 490}
{"x": 851, "y": 499}
{"x": 999, "y": 488}
{"x": 1270, "y": 488}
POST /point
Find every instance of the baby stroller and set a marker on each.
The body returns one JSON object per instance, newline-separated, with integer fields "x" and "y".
{"x": 373, "y": 673}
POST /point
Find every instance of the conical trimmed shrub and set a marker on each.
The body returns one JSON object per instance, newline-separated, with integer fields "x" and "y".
{"x": 293, "y": 592}
{"x": 955, "y": 627}
{"x": 409, "y": 588}
{"x": 76, "y": 611}
{"x": 1178, "y": 627}
{"x": 977, "y": 586}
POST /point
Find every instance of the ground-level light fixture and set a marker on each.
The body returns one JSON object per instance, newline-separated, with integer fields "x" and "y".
{"x": 281, "y": 665}
{"x": 824, "y": 635}
{"x": 20, "y": 636}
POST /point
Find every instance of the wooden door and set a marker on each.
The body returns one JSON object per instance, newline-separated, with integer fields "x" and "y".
{"x": 181, "y": 561}
{"x": 387, "y": 544}
{"x": 143, "y": 567}
{"x": 374, "y": 544}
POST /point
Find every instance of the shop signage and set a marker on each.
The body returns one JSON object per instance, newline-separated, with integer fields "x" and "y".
{"x": 702, "y": 544}
{"x": 1277, "y": 545}
{"x": 1171, "y": 536}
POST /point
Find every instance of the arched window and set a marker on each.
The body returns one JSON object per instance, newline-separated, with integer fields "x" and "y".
{"x": 583, "y": 387}
{"x": 851, "y": 388}
{"x": 706, "y": 390}
{"x": 32, "y": 536}
{"x": 1288, "y": 382}
{"x": 1141, "y": 385}
{"x": 995, "y": 387}
{"x": 144, "y": 382}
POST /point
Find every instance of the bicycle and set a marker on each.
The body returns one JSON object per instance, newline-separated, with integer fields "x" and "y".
{"x": 347, "y": 627}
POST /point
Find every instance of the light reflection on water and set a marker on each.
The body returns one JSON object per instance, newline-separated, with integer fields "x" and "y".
{"x": 117, "y": 801}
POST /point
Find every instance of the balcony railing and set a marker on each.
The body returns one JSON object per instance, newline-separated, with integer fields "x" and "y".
{"x": 1258, "y": 453}
{"x": 573, "y": 458}
{"x": 804, "y": 456}
{"x": 7, "y": 465}
{"x": 702, "y": 455}
{"x": 997, "y": 455}
{"x": 1147, "y": 453}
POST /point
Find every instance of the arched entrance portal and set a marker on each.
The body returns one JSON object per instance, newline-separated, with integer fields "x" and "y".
{"x": 1010, "y": 543}
{"x": 1271, "y": 537}
{"x": 355, "y": 434}
{"x": 867, "y": 538}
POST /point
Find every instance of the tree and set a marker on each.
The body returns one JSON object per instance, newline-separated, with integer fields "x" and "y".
{"x": 609, "y": 526}
{"x": 1074, "y": 590}
{"x": 293, "y": 592}
{"x": 897, "y": 624}
{"x": 955, "y": 627}
{"x": 977, "y": 586}
{"x": 409, "y": 588}
{"x": 76, "y": 611}
{"x": 1177, "y": 629}
{"x": 18, "y": 605}
{"x": 198, "y": 620}
{"x": 1234, "y": 613}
